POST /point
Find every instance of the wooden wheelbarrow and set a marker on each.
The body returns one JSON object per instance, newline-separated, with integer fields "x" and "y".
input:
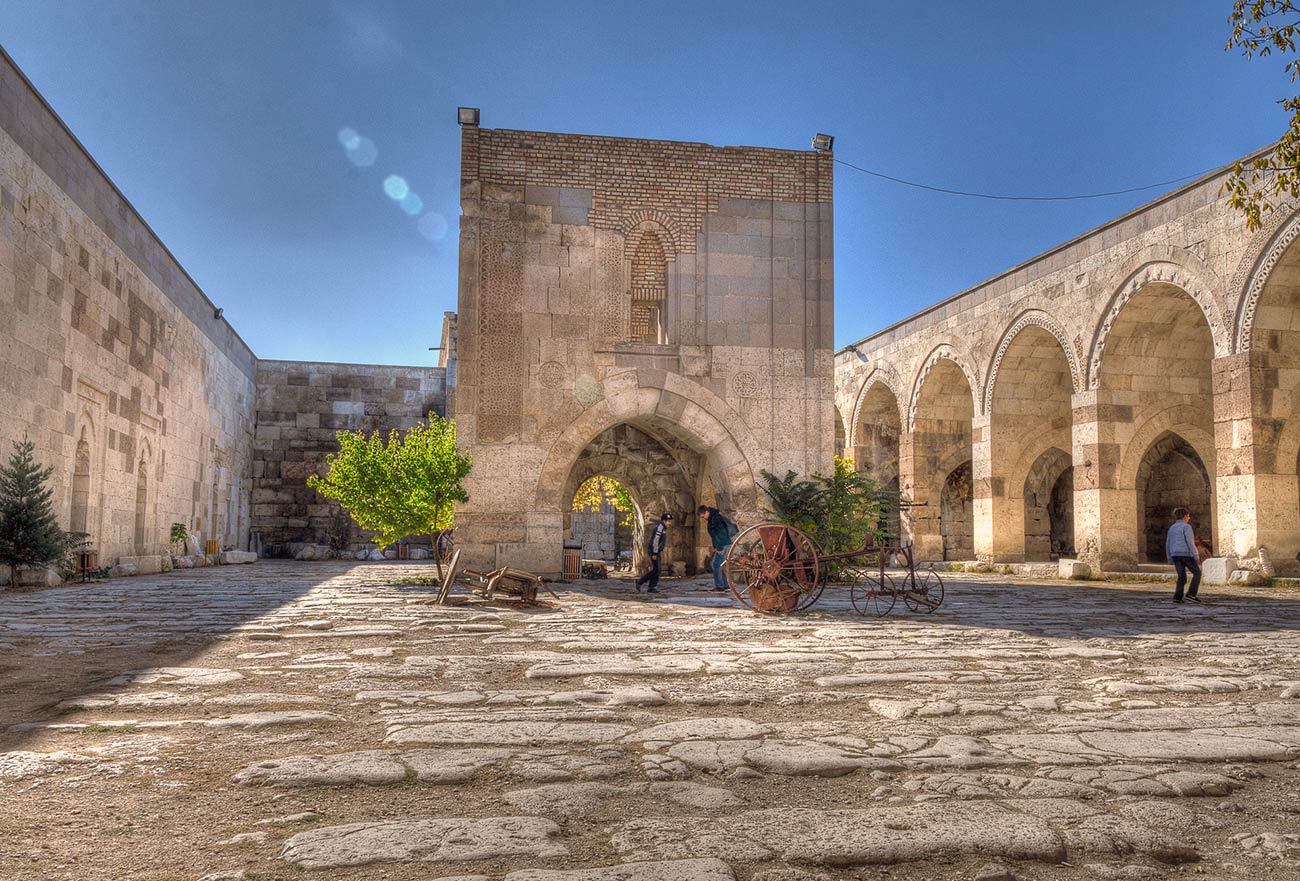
{"x": 513, "y": 583}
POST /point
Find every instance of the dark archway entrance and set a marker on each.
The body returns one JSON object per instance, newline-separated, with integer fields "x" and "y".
{"x": 1049, "y": 507}
{"x": 659, "y": 473}
{"x": 957, "y": 514}
{"x": 1171, "y": 475}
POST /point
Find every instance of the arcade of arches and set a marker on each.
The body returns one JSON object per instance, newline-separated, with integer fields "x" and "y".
{"x": 1069, "y": 417}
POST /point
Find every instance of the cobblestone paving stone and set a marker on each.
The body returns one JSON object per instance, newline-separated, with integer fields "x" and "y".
{"x": 304, "y": 720}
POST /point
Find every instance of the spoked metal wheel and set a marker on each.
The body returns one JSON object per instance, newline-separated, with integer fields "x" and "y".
{"x": 926, "y": 594}
{"x": 773, "y": 568}
{"x": 871, "y": 592}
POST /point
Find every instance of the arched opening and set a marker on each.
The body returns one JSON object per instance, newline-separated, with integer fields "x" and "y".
{"x": 649, "y": 290}
{"x": 941, "y": 456}
{"x": 80, "y": 518}
{"x": 141, "y": 505}
{"x": 840, "y": 441}
{"x": 876, "y": 447}
{"x": 1030, "y": 418}
{"x": 957, "y": 513}
{"x": 1171, "y": 475}
{"x": 604, "y": 517}
{"x": 1155, "y": 378}
{"x": 659, "y": 476}
{"x": 1049, "y": 507}
{"x": 1274, "y": 339}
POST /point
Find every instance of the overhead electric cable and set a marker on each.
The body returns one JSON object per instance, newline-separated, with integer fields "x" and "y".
{"x": 1001, "y": 198}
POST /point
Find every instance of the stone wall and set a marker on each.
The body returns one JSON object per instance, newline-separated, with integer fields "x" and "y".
{"x": 111, "y": 358}
{"x": 721, "y": 346}
{"x": 300, "y": 407}
{"x": 1132, "y": 362}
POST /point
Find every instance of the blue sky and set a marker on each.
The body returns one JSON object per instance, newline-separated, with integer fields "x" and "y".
{"x": 221, "y": 121}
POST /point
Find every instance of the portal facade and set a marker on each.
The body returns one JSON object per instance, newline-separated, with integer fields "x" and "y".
{"x": 656, "y": 312}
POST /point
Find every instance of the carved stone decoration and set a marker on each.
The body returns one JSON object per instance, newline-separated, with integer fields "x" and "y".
{"x": 1254, "y": 271}
{"x": 550, "y": 374}
{"x": 940, "y": 353}
{"x": 500, "y": 328}
{"x": 744, "y": 384}
{"x": 1033, "y": 318}
{"x": 1159, "y": 273}
{"x": 588, "y": 390}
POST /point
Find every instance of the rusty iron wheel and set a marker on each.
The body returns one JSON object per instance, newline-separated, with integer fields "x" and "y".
{"x": 926, "y": 593}
{"x": 774, "y": 568}
{"x": 872, "y": 593}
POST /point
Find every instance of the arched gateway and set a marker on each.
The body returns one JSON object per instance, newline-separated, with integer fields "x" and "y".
{"x": 655, "y": 331}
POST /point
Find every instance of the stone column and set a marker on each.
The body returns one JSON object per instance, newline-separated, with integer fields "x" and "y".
{"x": 1237, "y": 485}
{"x": 1105, "y": 516}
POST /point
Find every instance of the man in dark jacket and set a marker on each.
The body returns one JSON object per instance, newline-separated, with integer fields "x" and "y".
{"x": 721, "y": 533}
{"x": 655, "y": 548}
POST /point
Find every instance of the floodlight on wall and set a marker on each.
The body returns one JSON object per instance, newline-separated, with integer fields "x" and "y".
{"x": 823, "y": 143}
{"x": 216, "y": 313}
{"x": 467, "y": 115}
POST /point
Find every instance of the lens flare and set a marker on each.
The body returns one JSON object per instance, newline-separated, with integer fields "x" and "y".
{"x": 396, "y": 188}
{"x": 364, "y": 154}
{"x": 412, "y": 204}
{"x": 433, "y": 226}
{"x": 349, "y": 138}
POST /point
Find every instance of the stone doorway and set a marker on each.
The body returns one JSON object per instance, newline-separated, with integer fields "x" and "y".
{"x": 1172, "y": 475}
{"x": 957, "y": 514}
{"x": 1049, "y": 507}
{"x": 606, "y": 530}
{"x": 659, "y": 473}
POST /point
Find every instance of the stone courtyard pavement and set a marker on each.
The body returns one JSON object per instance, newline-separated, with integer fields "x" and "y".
{"x": 295, "y": 720}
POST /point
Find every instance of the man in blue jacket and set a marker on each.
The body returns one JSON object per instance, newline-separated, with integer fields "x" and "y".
{"x": 1180, "y": 548}
{"x": 721, "y": 534}
{"x": 655, "y": 548}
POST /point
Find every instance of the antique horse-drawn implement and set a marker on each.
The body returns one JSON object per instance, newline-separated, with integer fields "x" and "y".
{"x": 777, "y": 568}
{"x": 512, "y": 583}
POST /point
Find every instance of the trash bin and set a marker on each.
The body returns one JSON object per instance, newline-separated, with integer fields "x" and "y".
{"x": 572, "y": 562}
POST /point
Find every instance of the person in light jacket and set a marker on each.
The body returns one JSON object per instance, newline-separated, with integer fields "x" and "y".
{"x": 1180, "y": 548}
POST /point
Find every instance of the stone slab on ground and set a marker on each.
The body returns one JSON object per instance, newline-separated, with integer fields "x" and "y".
{"x": 447, "y": 839}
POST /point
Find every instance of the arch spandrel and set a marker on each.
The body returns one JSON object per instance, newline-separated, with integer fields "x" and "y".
{"x": 883, "y": 375}
{"x": 1031, "y": 318}
{"x": 943, "y": 352}
{"x": 708, "y": 426}
{"x": 1263, "y": 255}
{"x": 1161, "y": 272}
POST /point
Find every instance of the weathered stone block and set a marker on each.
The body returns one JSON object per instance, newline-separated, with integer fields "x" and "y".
{"x": 1217, "y": 570}
{"x": 1074, "y": 569}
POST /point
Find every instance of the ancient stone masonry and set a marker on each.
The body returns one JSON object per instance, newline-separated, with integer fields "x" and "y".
{"x": 132, "y": 386}
{"x": 111, "y": 359}
{"x": 680, "y": 290}
{"x": 1152, "y": 363}
{"x": 300, "y": 408}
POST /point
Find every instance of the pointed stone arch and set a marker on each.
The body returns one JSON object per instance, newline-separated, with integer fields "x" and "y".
{"x": 1262, "y": 257}
{"x": 884, "y": 375}
{"x": 942, "y": 352}
{"x": 1160, "y": 271}
{"x": 677, "y": 410}
{"x": 1031, "y": 318}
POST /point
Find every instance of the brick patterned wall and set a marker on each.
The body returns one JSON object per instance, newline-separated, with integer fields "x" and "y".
{"x": 631, "y": 180}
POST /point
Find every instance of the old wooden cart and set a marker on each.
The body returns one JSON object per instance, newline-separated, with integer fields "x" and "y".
{"x": 510, "y": 583}
{"x": 776, "y": 568}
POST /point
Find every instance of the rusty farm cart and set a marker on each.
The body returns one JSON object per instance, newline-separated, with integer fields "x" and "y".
{"x": 777, "y": 568}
